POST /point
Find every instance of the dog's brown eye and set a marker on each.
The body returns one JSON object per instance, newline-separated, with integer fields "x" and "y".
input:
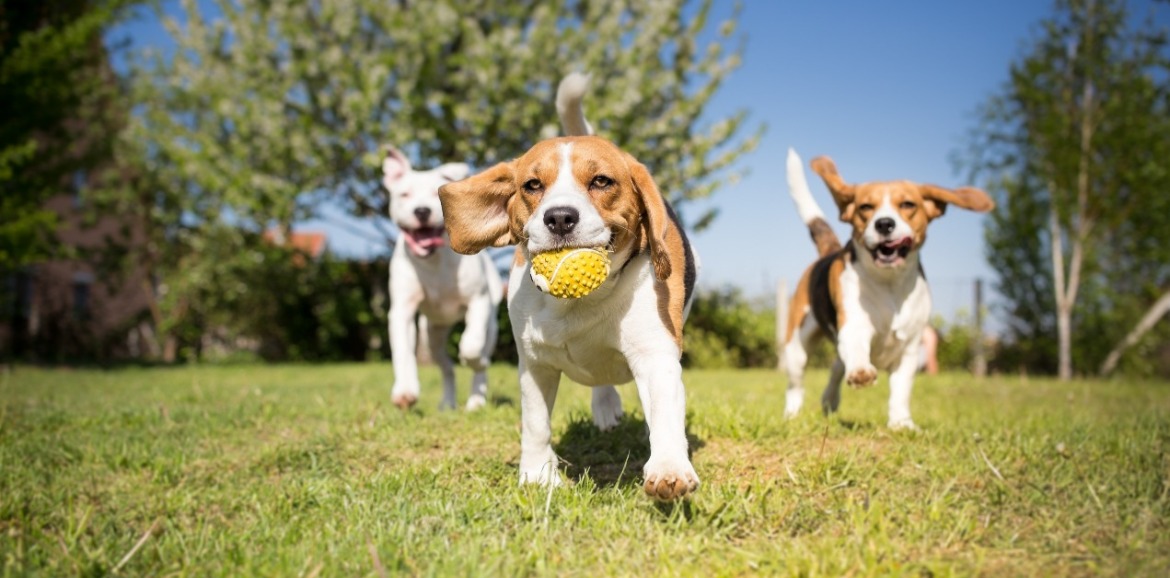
{"x": 533, "y": 185}
{"x": 601, "y": 182}
{"x": 865, "y": 208}
{"x": 908, "y": 205}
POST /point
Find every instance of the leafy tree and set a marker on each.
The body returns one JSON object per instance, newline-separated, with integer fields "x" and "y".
{"x": 1074, "y": 146}
{"x": 266, "y": 111}
{"x": 57, "y": 92}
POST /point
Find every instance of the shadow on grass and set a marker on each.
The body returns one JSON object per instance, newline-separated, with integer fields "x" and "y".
{"x": 498, "y": 400}
{"x": 853, "y": 425}
{"x": 611, "y": 458}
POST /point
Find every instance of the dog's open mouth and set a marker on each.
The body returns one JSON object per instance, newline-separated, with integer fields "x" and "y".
{"x": 892, "y": 253}
{"x": 424, "y": 240}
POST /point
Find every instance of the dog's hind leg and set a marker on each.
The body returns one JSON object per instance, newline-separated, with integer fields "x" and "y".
{"x": 476, "y": 347}
{"x": 795, "y": 358}
{"x": 437, "y": 342}
{"x": 831, "y": 399}
{"x": 607, "y": 407}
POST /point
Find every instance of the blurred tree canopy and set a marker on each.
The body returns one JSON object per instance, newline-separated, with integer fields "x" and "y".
{"x": 266, "y": 112}
{"x": 725, "y": 329}
{"x": 57, "y": 92}
{"x": 1076, "y": 148}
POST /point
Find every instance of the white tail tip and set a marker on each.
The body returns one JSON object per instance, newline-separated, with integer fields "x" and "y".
{"x": 570, "y": 93}
{"x": 798, "y": 188}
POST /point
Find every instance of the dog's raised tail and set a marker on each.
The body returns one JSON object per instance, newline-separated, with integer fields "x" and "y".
{"x": 570, "y": 93}
{"x": 818, "y": 228}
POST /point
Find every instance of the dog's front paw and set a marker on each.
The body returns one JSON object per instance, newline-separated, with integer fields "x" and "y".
{"x": 902, "y": 424}
{"x": 863, "y": 376}
{"x": 404, "y": 394}
{"x": 404, "y": 401}
{"x": 475, "y": 402}
{"x": 546, "y": 475}
{"x": 669, "y": 479}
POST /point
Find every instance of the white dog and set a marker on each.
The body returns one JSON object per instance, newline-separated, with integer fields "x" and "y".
{"x": 441, "y": 286}
{"x": 582, "y": 191}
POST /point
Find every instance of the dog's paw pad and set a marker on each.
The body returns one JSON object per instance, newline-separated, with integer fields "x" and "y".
{"x": 667, "y": 484}
{"x": 404, "y": 401}
{"x": 862, "y": 376}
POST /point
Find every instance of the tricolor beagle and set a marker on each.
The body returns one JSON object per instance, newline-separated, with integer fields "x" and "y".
{"x": 870, "y": 297}
{"x": 582, "y": 191}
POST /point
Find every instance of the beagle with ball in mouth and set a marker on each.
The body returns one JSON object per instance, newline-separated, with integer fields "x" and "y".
{"x": 870, "y": 296}
{"x": 585, "y": 192}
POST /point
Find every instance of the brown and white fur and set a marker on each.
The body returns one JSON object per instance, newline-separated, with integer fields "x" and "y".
{"x": 583, "y": 191}
{"x": 870, "y": 296}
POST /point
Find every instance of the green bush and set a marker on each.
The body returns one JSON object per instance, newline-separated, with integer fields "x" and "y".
{"x": 727, "y": 329}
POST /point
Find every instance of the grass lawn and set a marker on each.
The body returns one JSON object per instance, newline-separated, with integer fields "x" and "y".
{"x": 309, "y": 471}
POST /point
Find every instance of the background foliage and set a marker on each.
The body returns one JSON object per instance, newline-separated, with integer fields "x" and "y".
{"x": 269, "y": 113}
{"x": 1075, "y": 147}
{"x": 60, "y": 106}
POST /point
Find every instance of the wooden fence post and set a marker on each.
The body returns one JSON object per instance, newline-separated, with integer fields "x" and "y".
{"x": 781, "y": 321}
{"x": 979, "y": 360}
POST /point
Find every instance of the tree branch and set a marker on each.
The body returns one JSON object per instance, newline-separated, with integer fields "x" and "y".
{"x": 1155, "y": 312}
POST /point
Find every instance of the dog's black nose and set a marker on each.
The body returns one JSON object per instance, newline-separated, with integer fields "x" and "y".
{"x": 561, "y": 220}
{"x": 423, "y": 214}
{"x": 884, "y": 225}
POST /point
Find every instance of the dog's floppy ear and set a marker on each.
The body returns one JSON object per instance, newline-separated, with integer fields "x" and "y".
{"x": 657, "y": 220}
{"x": 937, "y": 198}
{"x": 843, "y": 193}
{"x": 395, "y": 165}
{"x": 476, "y": 209}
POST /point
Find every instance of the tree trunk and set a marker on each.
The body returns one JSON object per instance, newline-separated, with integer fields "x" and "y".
{"x": 1063, "y": 306}
{"x": 1066, "y": 289}
{"x": 1155, "y": 312}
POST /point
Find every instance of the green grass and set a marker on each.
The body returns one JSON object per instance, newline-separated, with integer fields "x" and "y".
{"x": 308, "y": 470}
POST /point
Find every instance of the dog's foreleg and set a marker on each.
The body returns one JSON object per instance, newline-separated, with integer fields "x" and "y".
{"x": 607, "y": 407}
{"x": 853, "y": 345}
{"x": 538, "y": 393}
{"x": 437, "y": 336}
{"x": 476, "y": 346}
{"x": 668, "y": 473}
{"x": 831, "y": 399}
{"x": 901, "y": 382}
{"x": 403, "y": 336}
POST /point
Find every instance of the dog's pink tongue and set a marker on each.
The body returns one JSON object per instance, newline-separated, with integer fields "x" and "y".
{"x": 903, "y": 242}
{"x": 423, "y": 241}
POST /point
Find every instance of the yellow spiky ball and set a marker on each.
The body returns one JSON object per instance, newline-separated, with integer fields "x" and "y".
{"x": 570, "y": 273}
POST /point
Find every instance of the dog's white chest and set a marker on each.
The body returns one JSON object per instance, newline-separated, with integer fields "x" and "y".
{"x": 443, "y": 284}
{"x": 898, "y": 312}
{"x": 582, "y": 338}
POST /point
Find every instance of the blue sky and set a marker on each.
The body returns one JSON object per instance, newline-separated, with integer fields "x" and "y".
{"x": 888, "y": 89}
